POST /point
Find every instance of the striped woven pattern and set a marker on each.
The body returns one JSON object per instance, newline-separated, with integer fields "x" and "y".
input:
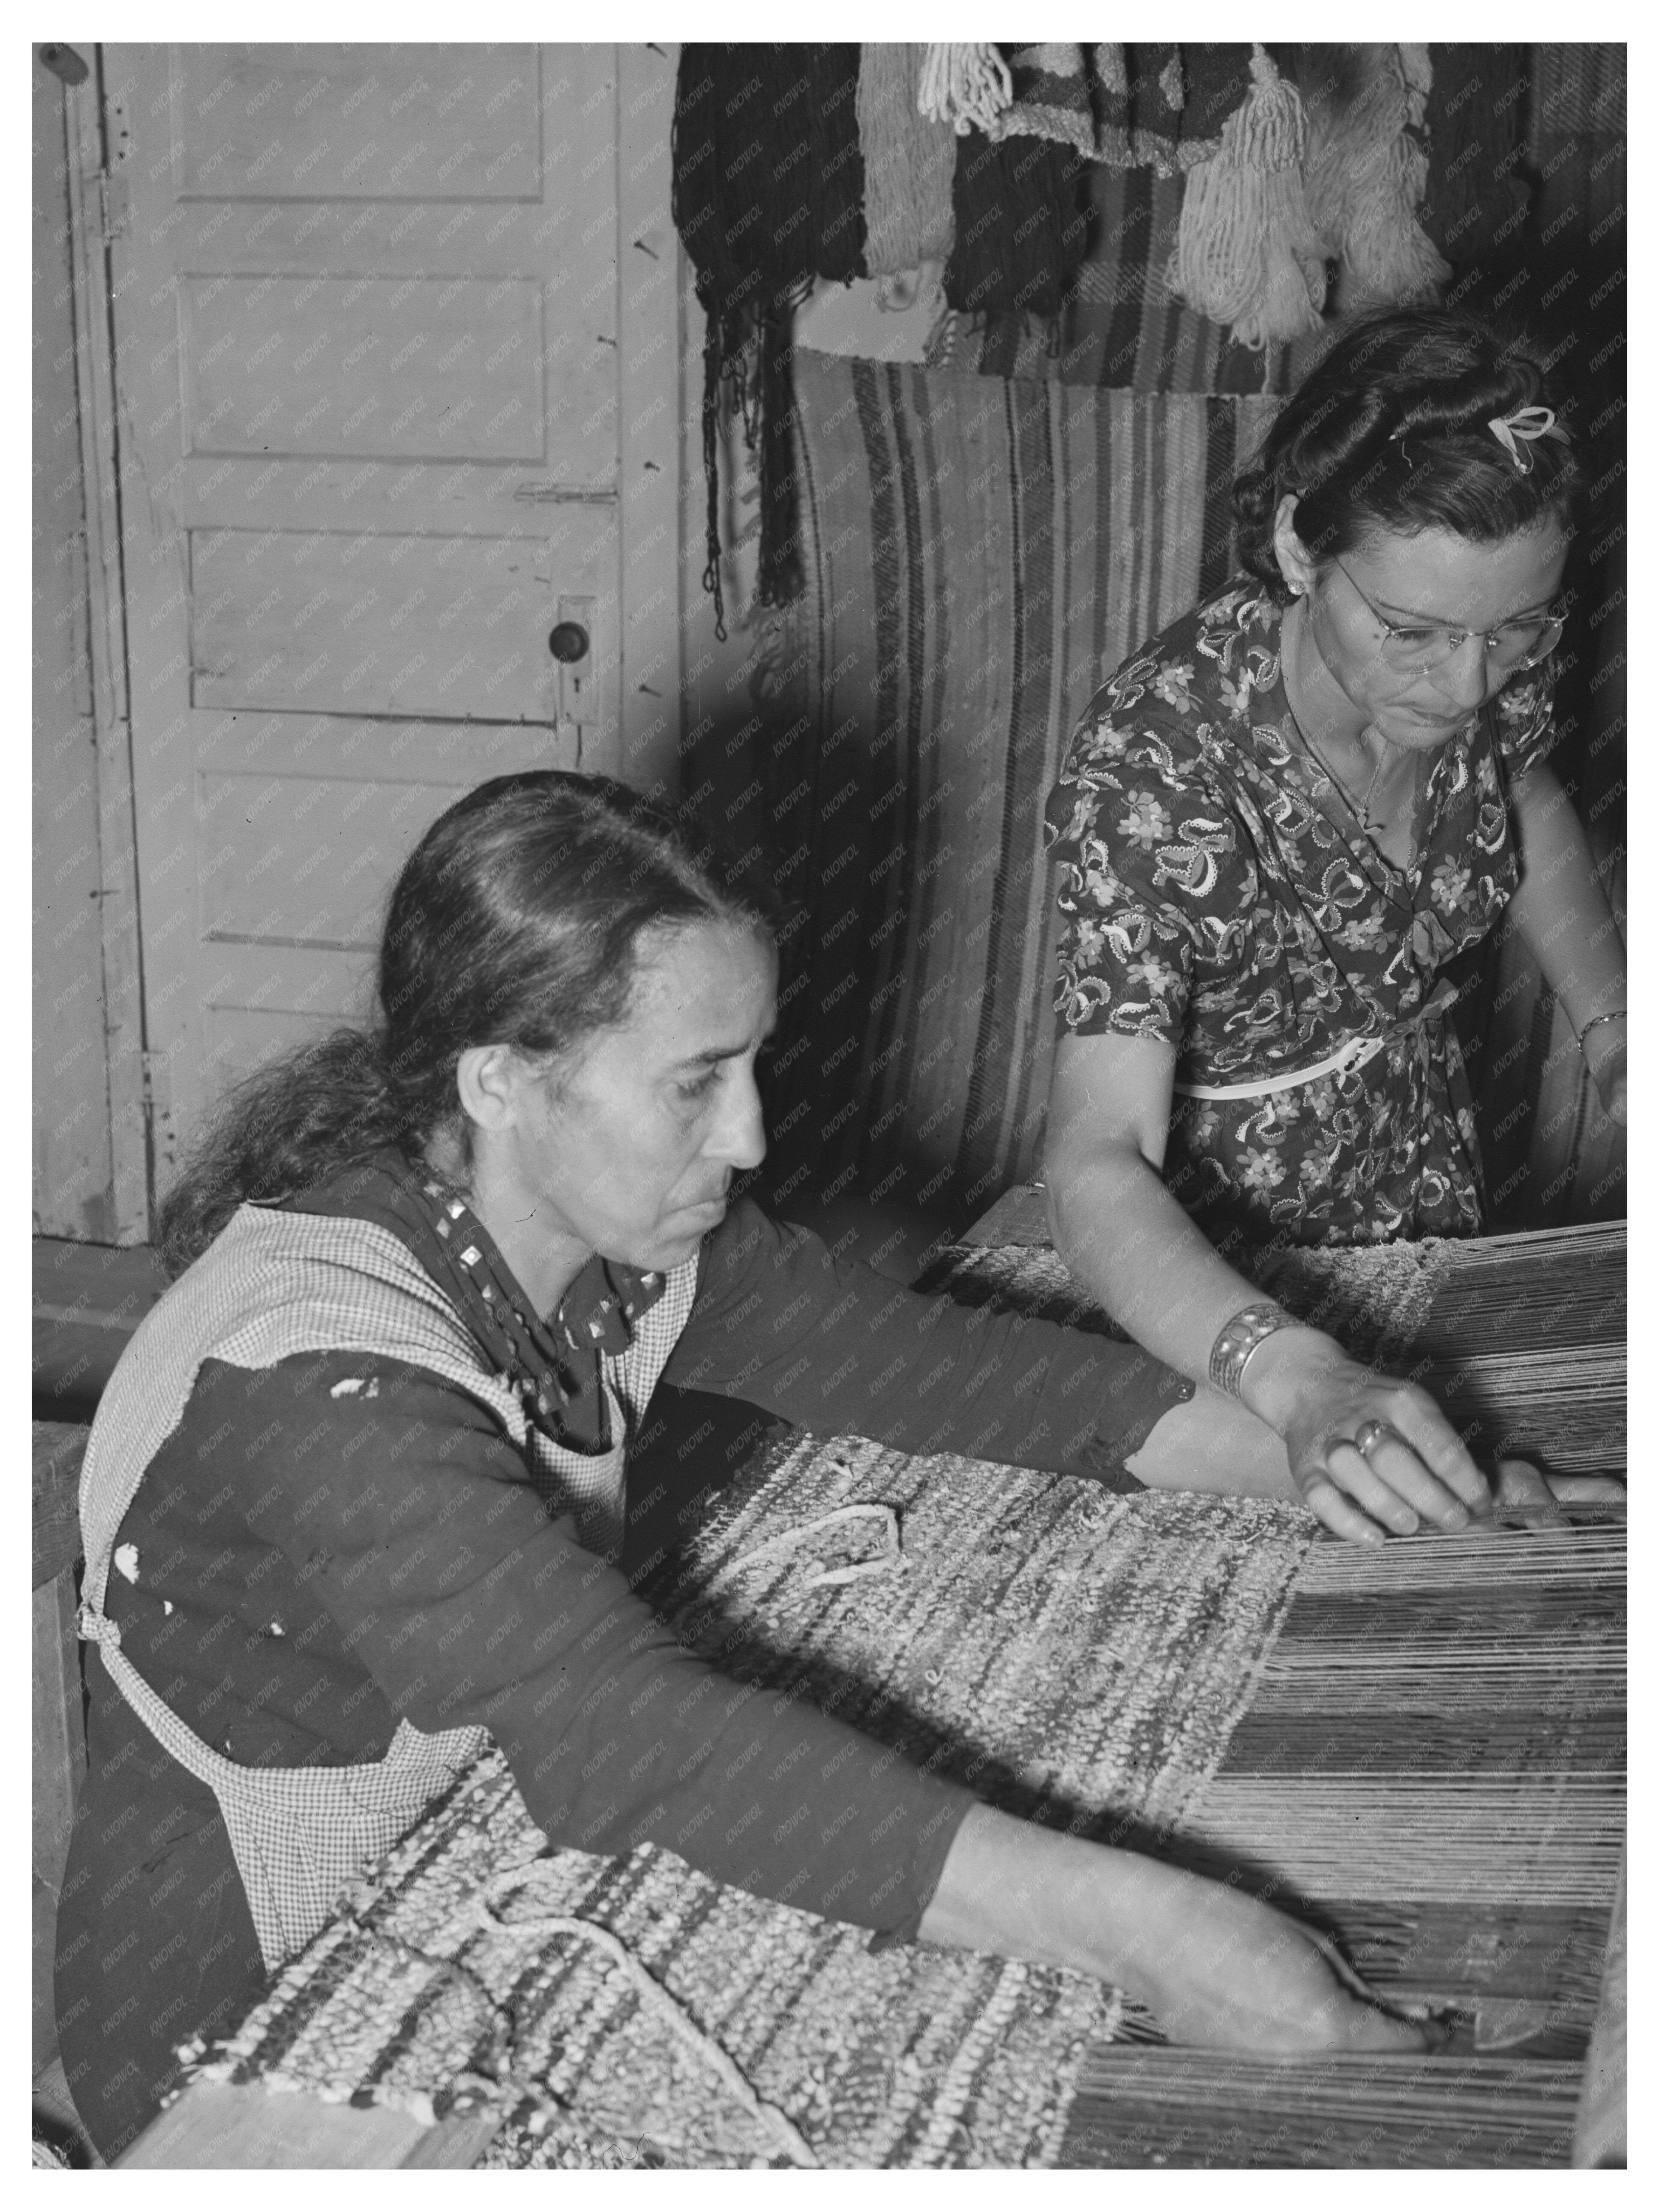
{"x": 1523, "y": 1335}
{"x": 1433, "y": 1769}
{"x": 438, "y": 1992}
{"x": 980, "y": 555}
{"x": 1066, "y": 1652}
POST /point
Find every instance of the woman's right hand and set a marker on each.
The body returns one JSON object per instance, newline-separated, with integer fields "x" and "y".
{"x": 1215, "y": 1968}
{"x": 1371, "y": 1455}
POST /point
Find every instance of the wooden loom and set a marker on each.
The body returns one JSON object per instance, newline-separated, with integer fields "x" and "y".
{"x": 1424, "y": 1756}
{"x": 1432, "y": 1768}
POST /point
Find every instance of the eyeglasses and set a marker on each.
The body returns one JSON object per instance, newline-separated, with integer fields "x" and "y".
{"x": 1422, "y": 645}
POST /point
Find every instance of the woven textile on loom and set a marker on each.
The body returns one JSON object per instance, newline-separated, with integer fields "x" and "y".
{"x": 979, "y": 557}
{"x": 1421, "y": 1747}
{"x": 1057, "y": 1646}
{"x": 1524, "y": 1335}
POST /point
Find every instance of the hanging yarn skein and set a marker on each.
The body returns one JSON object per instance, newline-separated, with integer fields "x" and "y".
{"x": 1367, "y": 170}
{"x": 908, "y": 158}
{"x": 1246, "y": 253}
{"x": 967, "y": 87}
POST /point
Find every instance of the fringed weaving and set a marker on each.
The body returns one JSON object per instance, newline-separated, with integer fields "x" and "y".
{"x": 1523, "y": 1336}
{"x": 768, "y": 194}
{"x": 979, "y": 556}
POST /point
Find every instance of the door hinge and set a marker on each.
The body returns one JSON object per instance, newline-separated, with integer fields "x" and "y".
{"x": 114, "y": 207}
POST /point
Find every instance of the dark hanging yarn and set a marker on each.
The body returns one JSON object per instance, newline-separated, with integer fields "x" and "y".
{"x": 768, "y": 196}
{"x": 1477, "y": 198}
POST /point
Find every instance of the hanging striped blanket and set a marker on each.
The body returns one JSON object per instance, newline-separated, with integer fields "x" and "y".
{"x": 980, "y": 556}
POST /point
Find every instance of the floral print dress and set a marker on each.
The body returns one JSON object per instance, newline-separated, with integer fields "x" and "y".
{"x": 1216, "y": 892}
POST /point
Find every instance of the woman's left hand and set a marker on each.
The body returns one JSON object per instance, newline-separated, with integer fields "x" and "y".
{"x": 1521, "y": 1493}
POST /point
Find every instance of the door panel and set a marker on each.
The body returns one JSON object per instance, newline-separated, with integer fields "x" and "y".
{"x": 366, "y": 315}
{"x": 387, "y": 624}
{"x": 356, "y": 122}
{"x": 405, "y": 368}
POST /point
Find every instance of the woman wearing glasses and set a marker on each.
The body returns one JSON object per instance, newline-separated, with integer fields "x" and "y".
{"x": 1277, "y": 825}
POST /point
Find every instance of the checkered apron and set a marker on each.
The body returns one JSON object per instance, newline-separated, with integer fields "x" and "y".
{"x": 272, "y": 1285}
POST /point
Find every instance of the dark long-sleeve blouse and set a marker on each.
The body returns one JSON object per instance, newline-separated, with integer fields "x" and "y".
{"x": 304, "y": 1564}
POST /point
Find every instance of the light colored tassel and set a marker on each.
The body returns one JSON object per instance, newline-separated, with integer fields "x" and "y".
{"x": 1366, "y": 176}
{"x": 1246, "y": 253}
{"x": 965, "y": 86}
{"x": 907, "y": 164}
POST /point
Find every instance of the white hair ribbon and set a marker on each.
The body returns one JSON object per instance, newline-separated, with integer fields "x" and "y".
{"x": 1528, "y": 424}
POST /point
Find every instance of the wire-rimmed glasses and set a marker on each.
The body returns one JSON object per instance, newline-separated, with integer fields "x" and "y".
{"x": 1420, "y": 646}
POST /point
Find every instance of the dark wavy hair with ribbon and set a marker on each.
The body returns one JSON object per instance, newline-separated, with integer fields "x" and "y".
{"x": 1393, "y": 430}
{"x": 520, "y": 918}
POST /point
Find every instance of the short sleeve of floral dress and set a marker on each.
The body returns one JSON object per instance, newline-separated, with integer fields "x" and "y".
{"x": 1215, "y": 892}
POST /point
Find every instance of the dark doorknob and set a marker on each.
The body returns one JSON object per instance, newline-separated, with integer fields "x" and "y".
{"x": 567, "y": 641}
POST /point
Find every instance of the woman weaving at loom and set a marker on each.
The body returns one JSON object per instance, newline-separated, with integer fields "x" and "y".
{"x": 347, "y": 1470}
{"x": 1276, "y": 826}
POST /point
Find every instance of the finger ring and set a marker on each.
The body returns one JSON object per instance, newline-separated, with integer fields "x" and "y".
{"x": 1367, "y": 1434}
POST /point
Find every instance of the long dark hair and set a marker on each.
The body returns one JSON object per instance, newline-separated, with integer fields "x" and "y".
{"x": 517, "y": 919}
{"x": 1389, "y": 432}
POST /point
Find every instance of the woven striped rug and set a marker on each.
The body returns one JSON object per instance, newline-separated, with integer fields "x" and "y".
{"x": 1070, "y": 1653}
{"x": 980, "y": 555}
{"x": 440, "y": 1991}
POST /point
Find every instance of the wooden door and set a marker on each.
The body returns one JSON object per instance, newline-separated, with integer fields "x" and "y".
{"x": 374, "y": 444}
